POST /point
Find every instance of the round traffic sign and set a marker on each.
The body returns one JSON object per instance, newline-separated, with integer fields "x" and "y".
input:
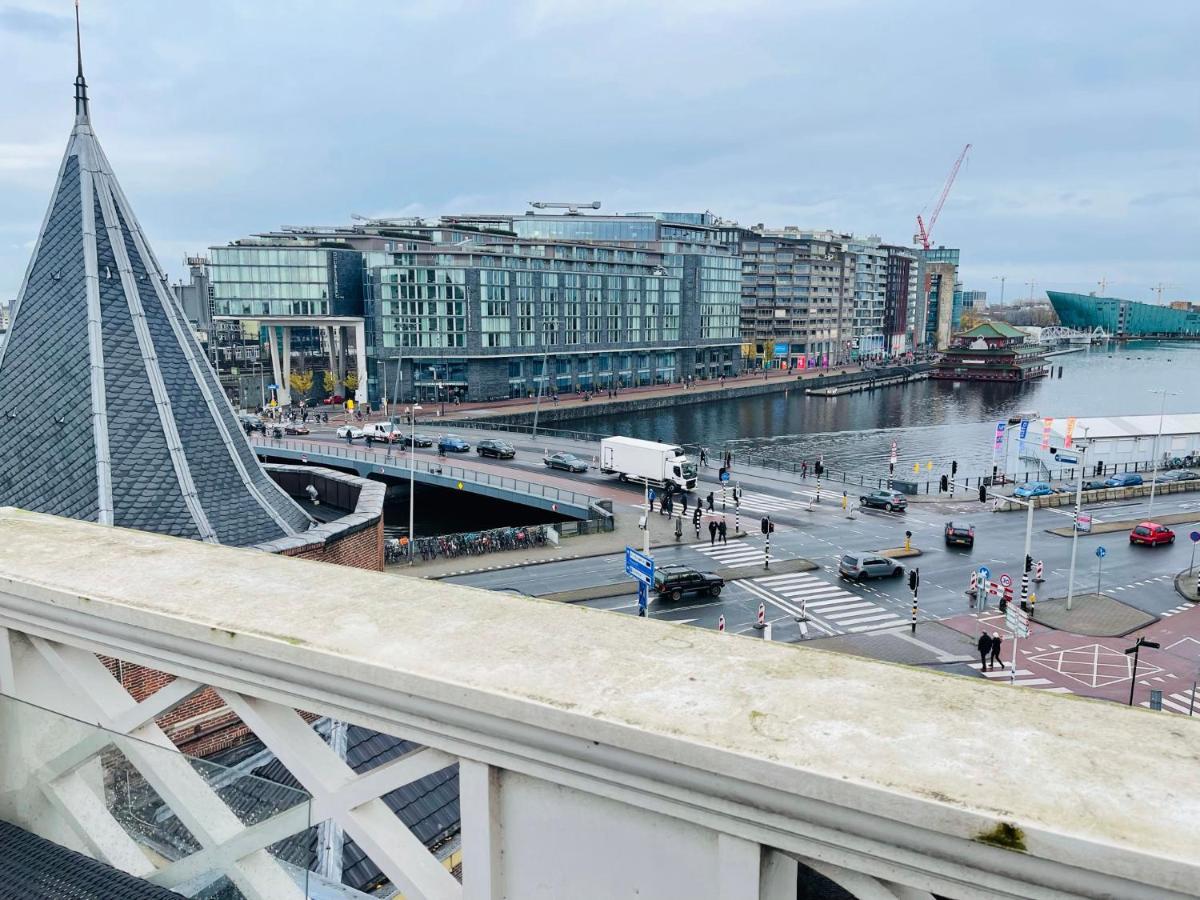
{"x": 985, "y": 572}
{"x": 1101, "y": 552}
{"x": 1006, "y": 580}
{"x": 1195, "y": 536}
{"x": 724, "y": 476}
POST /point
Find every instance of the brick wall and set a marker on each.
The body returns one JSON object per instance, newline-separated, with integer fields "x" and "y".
{"x": 360, "y": 550}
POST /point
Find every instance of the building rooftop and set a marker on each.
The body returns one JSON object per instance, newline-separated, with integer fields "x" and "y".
{"x": 111, "y": 412}
{"x": 994, "y": 330}
{"x": 1100, "y": 787}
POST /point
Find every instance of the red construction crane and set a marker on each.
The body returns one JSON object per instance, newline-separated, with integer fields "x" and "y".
{"x": 924, "y": 235}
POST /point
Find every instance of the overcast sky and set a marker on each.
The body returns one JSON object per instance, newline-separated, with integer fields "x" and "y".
{"x": 227, "y": 117}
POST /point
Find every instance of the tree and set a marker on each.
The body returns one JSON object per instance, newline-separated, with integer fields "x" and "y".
{"x": 302, "y": 382}
{"x": 328, "y": 382}
{"x": 351, "y": 381}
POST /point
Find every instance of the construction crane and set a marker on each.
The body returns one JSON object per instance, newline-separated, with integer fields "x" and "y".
{"x": 571, "y": 208}
{"x": 1159, "y": 288}
{"x": 924, "y": 235}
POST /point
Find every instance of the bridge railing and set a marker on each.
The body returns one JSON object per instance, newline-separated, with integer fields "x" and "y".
{"x": 399, "y": 461}
{"x": 596, "y": 755}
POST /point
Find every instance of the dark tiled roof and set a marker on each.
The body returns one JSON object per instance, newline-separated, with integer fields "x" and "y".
{"x": 109, "y": 410}
{"x": 33, "y": 868}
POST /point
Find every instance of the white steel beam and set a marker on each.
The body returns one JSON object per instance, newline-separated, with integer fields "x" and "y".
{"x": 482, "y": 838}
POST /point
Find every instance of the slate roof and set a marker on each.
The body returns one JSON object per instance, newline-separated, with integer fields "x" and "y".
{"x": 33, "y": 868}
{"x": 109, "y": 410}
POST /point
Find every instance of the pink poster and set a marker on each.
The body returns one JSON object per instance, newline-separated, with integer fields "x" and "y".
{"x": 1046, "y": 423}
{"x": 1070, "y": 431}
{"x": 802, "y": 362}
{"x": 824, "y": 360}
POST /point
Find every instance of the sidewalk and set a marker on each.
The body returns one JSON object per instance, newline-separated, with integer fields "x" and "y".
{"x": 625, "y": 534}
{"x": 600, "y": 399}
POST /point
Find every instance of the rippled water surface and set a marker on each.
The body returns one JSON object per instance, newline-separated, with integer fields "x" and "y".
{"x": 930, "y": 420}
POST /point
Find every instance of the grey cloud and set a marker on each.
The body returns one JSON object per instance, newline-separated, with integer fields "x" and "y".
{"x": 33, "y": 23}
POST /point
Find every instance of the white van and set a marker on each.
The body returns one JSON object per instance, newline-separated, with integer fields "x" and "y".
{"x": 381, "y": 431}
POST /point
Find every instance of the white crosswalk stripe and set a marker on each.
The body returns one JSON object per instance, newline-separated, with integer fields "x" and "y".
{"x": 1021, "y": 678}
{"x": 736, "y": 554}
{"x": 754, "y": 501}
{"x": 835, "y": 609}
{"x": 1179, "y": 703}
{"x": 1178, "y": 609}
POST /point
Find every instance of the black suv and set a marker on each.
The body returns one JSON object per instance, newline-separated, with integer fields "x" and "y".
{"x": 498, "y": 449}
{"x": 962, "y": 535}
{"x": 674, "y": 581}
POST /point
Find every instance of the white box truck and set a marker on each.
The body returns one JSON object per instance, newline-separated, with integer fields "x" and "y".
{"x": 647, "y": 461}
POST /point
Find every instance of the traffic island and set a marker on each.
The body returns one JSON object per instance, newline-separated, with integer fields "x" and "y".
{"x": 1127, "y": 524}
{"x": 1185, "y": 585}
{"x": 621, "y": 588}
{"x": 900, "y": 553}
{"x": 1096, "y": 615}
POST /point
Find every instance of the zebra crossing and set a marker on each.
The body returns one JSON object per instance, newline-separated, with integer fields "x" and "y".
{"x": 1020, "y": 678}
{"x": 757, "y": 502}
{"x": 1182, "y": 607}
{"x": 1180, "y": 702}
{"x": 735, "y": 554}
{"x": 833, "y": 609}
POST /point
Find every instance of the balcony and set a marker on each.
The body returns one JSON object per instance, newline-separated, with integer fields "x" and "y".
{"x": 597, "y": 755}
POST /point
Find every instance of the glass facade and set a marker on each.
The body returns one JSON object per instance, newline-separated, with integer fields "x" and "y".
{"x": 268, "y": 281}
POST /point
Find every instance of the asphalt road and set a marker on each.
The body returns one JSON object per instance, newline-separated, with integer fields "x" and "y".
{"x": 1140, "y": 576}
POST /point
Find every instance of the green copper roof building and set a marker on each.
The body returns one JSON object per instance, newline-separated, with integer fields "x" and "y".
{"x": 1127, "y": 318}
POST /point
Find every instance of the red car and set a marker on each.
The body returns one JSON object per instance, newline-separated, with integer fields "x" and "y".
{"x": 1151, "y": 533}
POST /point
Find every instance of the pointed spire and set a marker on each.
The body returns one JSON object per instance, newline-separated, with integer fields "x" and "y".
{"x": 81, "y": 98}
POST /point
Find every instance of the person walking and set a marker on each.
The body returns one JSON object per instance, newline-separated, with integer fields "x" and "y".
{"x": 984, "y": 645}
{"x": 804, "y": 469}
{"x": 721, "y": 529}
{"x": 997, "y": 644}
{"x": 703, "y": 457}
{"x": 683, "y": 501}
{"x": 650, "y": 497}
{"x": 712, "y": 534}
{"x": 710, "y": 501}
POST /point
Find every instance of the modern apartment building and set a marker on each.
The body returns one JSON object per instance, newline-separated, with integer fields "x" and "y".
{"x": 489, "y": 306}
{"x": 943, "y": 297}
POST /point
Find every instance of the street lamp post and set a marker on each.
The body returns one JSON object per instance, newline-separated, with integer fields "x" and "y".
{"x": 1141, "y": 642}
{"x": 1075, "y": 520}
{"x": 1025, "y": 558}
{"x": 412, "y": 463}
{"x": 1162, "y": 409}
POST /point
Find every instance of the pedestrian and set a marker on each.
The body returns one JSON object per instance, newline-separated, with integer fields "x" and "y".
{"x": 683, "y": 500}
{"x": 703, "y": 457}
{"x": 804, "y": 469}
{"x": 721, "y": 529}
{"x": 985, "y": 647}
{"x": 710, "y": 501}
{"x": 650, "y": 497}
{"x": 712, "y": 537}
{"x": 997, "y": 643}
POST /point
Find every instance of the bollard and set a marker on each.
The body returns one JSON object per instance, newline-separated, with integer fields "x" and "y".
{"x": 767, "y": 631}
{"x": 907, "y": 541}
{"x": 1032, "y": 603}
{"x": 1037, "y": 572}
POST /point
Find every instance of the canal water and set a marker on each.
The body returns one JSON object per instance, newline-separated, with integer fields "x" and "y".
{"x": 929, "y": 420}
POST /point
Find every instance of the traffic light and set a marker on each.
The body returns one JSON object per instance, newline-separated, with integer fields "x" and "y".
{"x": 913, "y": 580}
{"x": 1028, "y": 563}
{"x": 982, "y": 494}
{"x": 954, "y": 467}
{"x": 944, "y": 483}
{"x": 766, "y": 525}
{"x": 819, "y": 468}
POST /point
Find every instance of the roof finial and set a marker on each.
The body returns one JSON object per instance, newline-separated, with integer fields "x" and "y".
{"x": 81, "y": 98}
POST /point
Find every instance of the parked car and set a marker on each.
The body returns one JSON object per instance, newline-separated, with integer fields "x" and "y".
{"x": 1034, "y": 489}
{"x": 674, "y": 581}
{"x": 1094, "y": 485}
{"x": 861, "y": 566}
{"x": 295, "y": 428}
{"x": 960, "y": 535}
{"x": 888, "y": 500}
{"x": 496, "y": 448}
{"x": 351, "y": 431}
{"x": 335, "y": 400}
{"x": 417, "y": 440}
{"x": 452, "y": 443}
{"x": 1151, "y": 534}
{"x": 1177, "y": 475}
{"x": 1125, "y": 479}
{"x": 568, "y": 462}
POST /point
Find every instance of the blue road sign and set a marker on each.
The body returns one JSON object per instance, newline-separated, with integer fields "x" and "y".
{"x": 1069, "y": 458}
{"x": 640, "y": 566}
{"x": 1195, "y": 536}
{"x": 985, "y": 572}
{"x": 724, "y": 476}
{"x": 1101, "y": 552}
{"x": 272, "y": 387}
{"x": 643, "y": 597}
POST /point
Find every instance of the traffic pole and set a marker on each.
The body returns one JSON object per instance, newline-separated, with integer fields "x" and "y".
{"x": 914, "y": 581}
{"x": 737, "y": 512}
{"x": 1037, "y": 572}
{"x": 767, "y": 551}
{"x": 973, "y": 590}
{"x": 762, "y": 614}
{"x": 721, "y": 624}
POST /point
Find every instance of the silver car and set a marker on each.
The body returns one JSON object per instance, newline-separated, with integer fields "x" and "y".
{"x": 861, "y": 566}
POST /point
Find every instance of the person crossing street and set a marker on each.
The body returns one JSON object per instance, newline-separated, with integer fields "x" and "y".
{"x": 721, "y": 528}
{"x": 997, "y": 643}
{"x": 712, "y": 534}
{"x": 984, "y": 645}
